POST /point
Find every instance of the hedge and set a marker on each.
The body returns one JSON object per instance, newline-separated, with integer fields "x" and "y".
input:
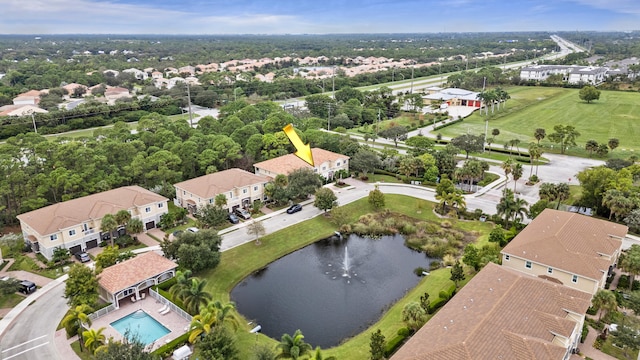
{"x": 393, "y": 344}
{"x": 166, "y": 350}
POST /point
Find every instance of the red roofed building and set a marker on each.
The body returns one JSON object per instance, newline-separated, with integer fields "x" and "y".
{"x": 326, "y": 164}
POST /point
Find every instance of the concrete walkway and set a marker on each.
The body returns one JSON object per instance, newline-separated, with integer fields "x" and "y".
{"x": 587, "y": 348}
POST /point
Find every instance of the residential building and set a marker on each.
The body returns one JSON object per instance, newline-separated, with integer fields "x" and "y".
{"x": 31, "y": 97}
{"x": 130, "y": 278}
{"x": 569, "y": 248}
{"x": 75, "y": 224}
{"x": 326, "y": 163}
{"x": 20, "y": 110}
{"x": 240, "y": 187}
{"x": 503, "y": 314}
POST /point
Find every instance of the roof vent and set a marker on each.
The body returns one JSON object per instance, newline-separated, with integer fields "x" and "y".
{"x": 490, "y": 289}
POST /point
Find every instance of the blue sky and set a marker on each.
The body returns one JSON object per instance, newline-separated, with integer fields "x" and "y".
{"x": 312, "y": 17}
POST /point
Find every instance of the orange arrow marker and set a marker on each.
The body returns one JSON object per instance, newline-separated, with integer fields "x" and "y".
{"x": 303, "y": 151}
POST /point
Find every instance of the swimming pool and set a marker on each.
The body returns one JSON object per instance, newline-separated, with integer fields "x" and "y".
{"x": 141, "y": 325}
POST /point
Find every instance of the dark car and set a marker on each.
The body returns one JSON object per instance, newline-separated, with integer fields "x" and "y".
{"x": 83, "y": 257}
{"x": 233, "y": 218}
{"x": 177, "y": 233}
{"x": 27, "y": 287}
{"x": 294, "y": 208}
{"x": 243, "y": 213}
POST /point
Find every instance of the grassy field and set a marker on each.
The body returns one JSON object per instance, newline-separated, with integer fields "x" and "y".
{"x": 615, "y": 115}
{"x": 240, "y": 262}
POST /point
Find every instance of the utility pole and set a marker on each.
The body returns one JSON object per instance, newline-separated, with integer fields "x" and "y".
{"x": 33, "y": 119}
{"x": 328, "y": 116}
{"x": 378, "y": 124}
{"x": 189, "y": 100}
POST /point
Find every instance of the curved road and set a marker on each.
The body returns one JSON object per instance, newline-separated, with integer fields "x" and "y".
{"x": 31, "y": 336}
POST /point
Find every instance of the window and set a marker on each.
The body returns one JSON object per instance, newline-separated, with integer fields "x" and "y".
{"x": 550, "y": 270}
{"x": 255, "y": 188}
{"x": 244, "y": 191}
{"x": 527, "y": 264}
{"x": 337, "y": 163}
{"x": 507, "y": 257}
{"x": 324, "y": 168}
{"x": 160, "y": 205}
{"x": 147, "y": 209}
{"x": 574, "y": 279}
{"x": 184, "y": 192}
{"x": 72, "y": 232}
{"x": 230, "y": 195}
{"x": 210, "y": 201}
{"x": 53, "y": 237}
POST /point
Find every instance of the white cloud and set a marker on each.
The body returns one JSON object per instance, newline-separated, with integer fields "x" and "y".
{"x": 618, "y": 6}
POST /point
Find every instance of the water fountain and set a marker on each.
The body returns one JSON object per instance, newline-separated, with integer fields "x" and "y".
{"x": 345, "y": 263}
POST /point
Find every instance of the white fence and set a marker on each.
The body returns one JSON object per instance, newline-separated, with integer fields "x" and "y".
{"x": 154, "y": 294}
{"x": 102, "y": 312}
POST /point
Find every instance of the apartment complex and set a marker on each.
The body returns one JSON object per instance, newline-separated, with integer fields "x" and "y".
{"x": 326, "y": 164}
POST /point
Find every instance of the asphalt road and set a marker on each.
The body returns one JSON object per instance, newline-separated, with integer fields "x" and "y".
{"x": 31, "y": 337}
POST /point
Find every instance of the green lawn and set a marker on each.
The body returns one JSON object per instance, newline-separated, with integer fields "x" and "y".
{"x": 240, "y": 262}
{"x": 615, "y": 115}
{"x": 9, "y": 301}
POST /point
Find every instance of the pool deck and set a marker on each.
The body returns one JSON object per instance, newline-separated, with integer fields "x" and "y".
{"x": 172, "y": 321}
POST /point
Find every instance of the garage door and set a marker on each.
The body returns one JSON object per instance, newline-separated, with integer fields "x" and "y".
{"x": 92, "y": 244}
{"x": 75, "y": 249}
{"x": 150, "y": 225}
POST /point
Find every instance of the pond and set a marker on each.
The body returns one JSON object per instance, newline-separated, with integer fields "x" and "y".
{"x": 310, "y": 289}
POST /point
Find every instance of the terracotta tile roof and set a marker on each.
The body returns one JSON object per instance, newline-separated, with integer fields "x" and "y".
{"x": 52, "y": 218}
{"x": 30, "y": 93}
{"x": 131, "y": 272}
{"x": 208, "y": 186}
{"x": 569, "y": 241}
{"x": 499, "y": 314}
{"x": 287, "y": 163}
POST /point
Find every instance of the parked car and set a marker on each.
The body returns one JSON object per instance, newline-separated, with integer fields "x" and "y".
{"x": 294, "y": 208}
{"x": 243, "y": 213}
{"x": 193, "y": 229}
{"x": 177, "y": 233}
{"x": 83, "y": 257}
{"x": 27, "y": 287}
{"x": 233, "y": 218}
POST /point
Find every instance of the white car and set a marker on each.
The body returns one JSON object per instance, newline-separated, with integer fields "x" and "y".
{"x": 193, "y": 229}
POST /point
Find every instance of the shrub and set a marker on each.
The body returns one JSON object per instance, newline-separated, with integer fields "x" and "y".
{"x": 585, "y": 332}
{"x": 592, "y": 310}
{"x": 444, "y": 295}
{"x": 166, "y": 350}
{"x": 434, "y": 265}
{"x": 445, "y": 224}
{"x": 419, "y": 270}
{"x": 393, "y": 344}
{"x": 404, "y": 331}
{"x": 436, "y": 304}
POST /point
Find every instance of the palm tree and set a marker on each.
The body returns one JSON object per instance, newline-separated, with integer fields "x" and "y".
{"x": 293, "y": 347}
{"x": 520, "y": 209}
{"x": 222, "y": 311}
{"x": 456, "y": 199}
{"x": 516, "y": 172}
{"x": 183, "y": 282}
{"x": 318, "y": 355}
{"x": 605, "y": 301}
{"x": 134, "y": 227}
{"x": 539, "y": 134}
{"x": 201, "y": 324}
{"x": 630, "y": 262}
{"x": 195, "y": 295}
{"x": 77, "y": 317}
{"x": 591, "y": 146}
{"x": 506, "y": 205}
{"x": 535, "y": 151}
{"x": 108, "y": 224}
{"x": 507, "y": 166}
{"x": 122, "y": 217}
{"x": 94, "y": 339}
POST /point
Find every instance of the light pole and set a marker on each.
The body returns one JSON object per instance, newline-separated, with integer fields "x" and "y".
{"x": 33, "y": 119}
{"x": 235, "y": 96}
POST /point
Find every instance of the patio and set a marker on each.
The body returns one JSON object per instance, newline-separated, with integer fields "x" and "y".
{"x": 171, "y": 320}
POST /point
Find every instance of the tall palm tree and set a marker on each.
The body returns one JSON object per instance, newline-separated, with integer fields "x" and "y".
{"x": 507, "y": 166}
{"x": 456, "y": 199}
{"x": 293, "y": 347}
{"x": 630, "y": 262}
{"x": 77, "y": 317}
{"x": 195, "y": 295}
{"x": 108, "y": 224}
{"x": 604, "y": 300}
{"x": 539, "y": 134}
{"x": 506, "y": 205}
{"x": 122, "y": 217}
{"x": 94, "y": 339}
{"x": 516, "y": 172}
{"x": 222, "y": 311}
{"x": 535, "y": 151}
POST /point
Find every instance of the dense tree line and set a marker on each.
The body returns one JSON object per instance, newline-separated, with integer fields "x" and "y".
{"x": 39, "y": 171}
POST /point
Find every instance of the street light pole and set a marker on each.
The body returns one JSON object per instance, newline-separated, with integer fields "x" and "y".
{"x": 412, "y": 79}
{"x": 333, "y": 81}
